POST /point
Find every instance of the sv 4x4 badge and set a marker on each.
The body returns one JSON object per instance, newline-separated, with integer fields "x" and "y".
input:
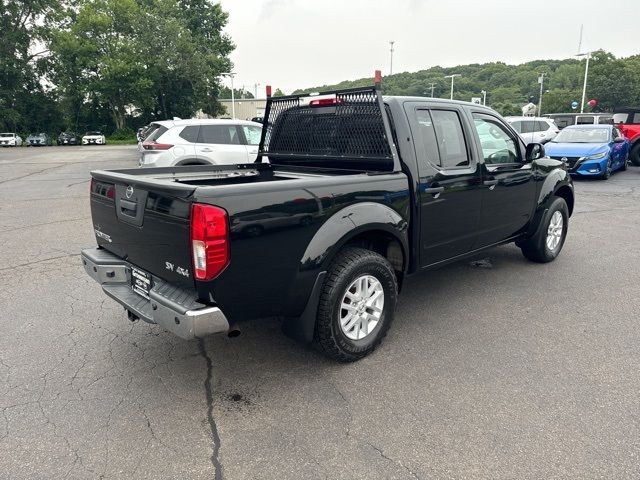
{"x": 179, "y": 270}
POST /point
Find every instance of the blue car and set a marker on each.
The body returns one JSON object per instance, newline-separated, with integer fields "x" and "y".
{"x": 590, "y": 150}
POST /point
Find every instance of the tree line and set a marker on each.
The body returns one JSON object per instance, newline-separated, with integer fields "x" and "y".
{"x": 109, "y": 64}
{"x": 612, "y": 82}
{"x": 114, "y": 65}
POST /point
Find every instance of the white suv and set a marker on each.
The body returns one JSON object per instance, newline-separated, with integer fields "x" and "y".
{"x": 200, "y": 142}
{"x": 534, "y": 129}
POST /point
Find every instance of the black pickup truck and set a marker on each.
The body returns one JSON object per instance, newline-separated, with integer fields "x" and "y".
{"x": 359, "y": 191}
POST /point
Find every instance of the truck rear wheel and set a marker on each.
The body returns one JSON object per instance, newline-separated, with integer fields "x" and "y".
{"x": 357, "y": 304}
{"x": 546, "y": 244}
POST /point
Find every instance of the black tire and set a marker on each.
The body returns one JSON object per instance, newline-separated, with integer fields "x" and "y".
{"x": 350, "y": 264}
{"x": 625, "y": 163}
{"x": 536, "y": 248}
{"x": 634, "y": 154}
{"x": 607, "y": 171}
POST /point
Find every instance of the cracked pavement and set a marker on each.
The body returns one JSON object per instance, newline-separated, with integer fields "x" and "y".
{"x": 494, "y": 369}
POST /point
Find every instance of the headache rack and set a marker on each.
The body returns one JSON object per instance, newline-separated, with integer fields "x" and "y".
{"x": 337, "y": 129}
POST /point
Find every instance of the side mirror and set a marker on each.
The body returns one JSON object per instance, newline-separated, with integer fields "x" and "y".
{"x": 534, "y": 151}
{"x": 619, "y": 140}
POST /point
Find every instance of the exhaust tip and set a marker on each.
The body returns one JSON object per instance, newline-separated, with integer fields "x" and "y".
{"x": 234, "y": 333}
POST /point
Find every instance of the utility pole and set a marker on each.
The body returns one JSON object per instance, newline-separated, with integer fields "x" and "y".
{"x": 391, "y": 63}
{"x": 433, "y": 84}
{"x": 586, "y": 68}
{"x": 452, "y": 76}
{"x": 484, "y": 96}
{"x": 233, "y": 100}
{"x": 586, "y": 74}
{"x": 541, "y": 82}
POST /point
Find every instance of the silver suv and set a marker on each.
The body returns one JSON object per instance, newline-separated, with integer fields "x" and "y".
{"x": 200, "y": 142}
{"x": 534, "y": 129}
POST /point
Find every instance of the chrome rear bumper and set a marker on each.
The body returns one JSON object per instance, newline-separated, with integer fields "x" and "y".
{"x": 173, "y": 308}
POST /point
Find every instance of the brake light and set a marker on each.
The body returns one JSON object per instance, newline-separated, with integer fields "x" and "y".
{"x": 151, "y": 145}
{"x": 324, "y": 102}
{"x": 209, "y": 241}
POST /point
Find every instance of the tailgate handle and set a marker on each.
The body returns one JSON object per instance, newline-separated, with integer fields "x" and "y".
{"x": 126, "y": 205}
{"x": 130, "y": 205}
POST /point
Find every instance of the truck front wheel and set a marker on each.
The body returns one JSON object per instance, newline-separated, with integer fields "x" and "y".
{"x": 546, "y": 244}
{"x": 357, "y": 304}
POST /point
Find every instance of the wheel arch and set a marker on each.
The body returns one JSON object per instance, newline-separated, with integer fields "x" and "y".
{"x": 565, "y": 192}
{"x": 365, "y": 224}
{"x": 192, "y": 161}
{"x": 372, "y": 225}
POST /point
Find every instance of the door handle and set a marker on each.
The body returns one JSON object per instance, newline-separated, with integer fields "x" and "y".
{"x": 206, "y": 150}
{"x": 435, "y": 191}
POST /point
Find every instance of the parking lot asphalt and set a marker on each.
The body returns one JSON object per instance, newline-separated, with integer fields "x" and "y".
{"x": 496, "y": 369}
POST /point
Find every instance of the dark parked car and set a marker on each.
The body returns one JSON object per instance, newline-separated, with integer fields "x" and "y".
{"x": 370, "y": 190}
{"x": 38, "y": 140}
{"x": 68, "y": 138}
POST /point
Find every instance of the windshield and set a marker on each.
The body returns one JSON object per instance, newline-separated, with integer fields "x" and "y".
{"x": 94, "y": 133}
{"x": 6, "y": 134}
{"x": 587, "y": 135}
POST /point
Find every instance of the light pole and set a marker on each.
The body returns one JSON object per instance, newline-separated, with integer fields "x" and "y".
{"x": 391, "y": 63}
{"x": 541, "y": 82}
{"x": 452, "y": 76}
{"x": 586, "y": 73}
{"x": 233, "y": 100}
{"x": 484, "y": 96}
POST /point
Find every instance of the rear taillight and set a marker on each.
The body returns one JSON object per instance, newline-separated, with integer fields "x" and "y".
{"x": 151, "y": 145}
{"x": 209, "y": 241}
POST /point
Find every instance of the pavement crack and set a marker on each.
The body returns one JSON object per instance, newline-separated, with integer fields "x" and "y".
{"x": 30, "y": 174}
{"x": 215, "y": 457}
{"x": 39, "y": 261}
{"x": 397, "y": 462}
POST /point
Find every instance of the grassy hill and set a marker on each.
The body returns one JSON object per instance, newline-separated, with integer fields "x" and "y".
{"x": 612, "y": 82}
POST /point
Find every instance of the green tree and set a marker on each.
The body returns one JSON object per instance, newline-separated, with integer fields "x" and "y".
{"x": 159, "y": 58}
{"x": 25, "y": 25}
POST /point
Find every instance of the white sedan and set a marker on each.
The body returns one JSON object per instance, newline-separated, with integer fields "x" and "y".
{"x": 10, "y": 140}
{"x": 94, "y": 138}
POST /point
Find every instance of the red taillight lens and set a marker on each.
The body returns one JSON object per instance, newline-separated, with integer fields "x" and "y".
{"x": 151, "y": 145}
{"x": 209, "y": 241}
{"x": 324, "y": 102}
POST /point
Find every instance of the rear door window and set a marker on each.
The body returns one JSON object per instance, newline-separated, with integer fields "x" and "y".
{"x": 541, "y": 126}
{"x": 529, "y": 126}
{"x": 219, "y": 134}
{"x": 428, "y": 144}
{"x": 517, "y": 126}
{"x": 451, "y": 143}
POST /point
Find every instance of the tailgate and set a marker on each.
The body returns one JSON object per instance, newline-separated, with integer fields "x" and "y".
{"x": 145, "y": 223}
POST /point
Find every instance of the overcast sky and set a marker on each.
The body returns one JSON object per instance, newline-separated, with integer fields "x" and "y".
{"x": 302, "y": 43}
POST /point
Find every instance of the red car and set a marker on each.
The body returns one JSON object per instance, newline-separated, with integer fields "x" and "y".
{"x": 628, "y": 121}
